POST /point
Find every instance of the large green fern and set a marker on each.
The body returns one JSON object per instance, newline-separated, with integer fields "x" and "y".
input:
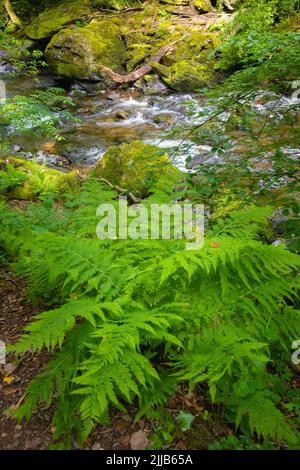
{"x": 121, "y": 310}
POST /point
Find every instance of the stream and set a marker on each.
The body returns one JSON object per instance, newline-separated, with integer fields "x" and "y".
{"x": 114, "y": 117}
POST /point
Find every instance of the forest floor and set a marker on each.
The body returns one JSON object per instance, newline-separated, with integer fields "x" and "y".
{"x": 16, "y": 310}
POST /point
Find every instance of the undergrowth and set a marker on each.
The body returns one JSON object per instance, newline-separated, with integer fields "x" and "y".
{"x": 128, "y": 321}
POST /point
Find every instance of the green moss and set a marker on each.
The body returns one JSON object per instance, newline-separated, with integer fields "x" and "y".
{"x": 187, "y": 68}
{"x": 52, "y": 20}
{"x": 188, "y": 75}
{"x": 196, "y": 46}
{"x": 203, "y": 5}
{"x": 40, "y": 180}
{"x": 77, "y": 52}
{"x": 138, "y": 167}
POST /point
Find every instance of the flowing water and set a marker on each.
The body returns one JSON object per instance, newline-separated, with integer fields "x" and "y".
{"x": 114, "y": 117}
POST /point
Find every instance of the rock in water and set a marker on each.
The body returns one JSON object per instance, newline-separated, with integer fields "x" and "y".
{"x": 77, "y": 52}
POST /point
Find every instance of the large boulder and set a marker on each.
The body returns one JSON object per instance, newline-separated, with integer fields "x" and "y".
{"x": 53, "y": 19}
{"x": 77, "y": 52}
{"x": 188, "y": 67}
{"x": 138, "y": 167}
{"x": 38, "y": 180}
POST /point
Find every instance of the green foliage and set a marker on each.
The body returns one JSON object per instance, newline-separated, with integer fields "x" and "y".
{"x": 10, "y": 178}
{"x": 40, "y": 112}
{"x": 185, "y": 420}
{"x": 19, "y": 54}
{"x": 240, "y": 443}
{"x": 120, "y": 311}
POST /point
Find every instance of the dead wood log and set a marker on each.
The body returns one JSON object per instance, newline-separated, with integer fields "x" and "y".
{"x": 139, "y": 73}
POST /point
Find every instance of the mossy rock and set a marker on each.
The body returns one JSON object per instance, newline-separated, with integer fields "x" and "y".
{"x": 203, "y": 6}
{"x": 77, "y": 52}
{"x": 138, "y": 167}
{"x": 187, "y": 68}
{"x": 196, "y": 46}
{"x": 53, "y": 19}
{"x": 40, "y": 180}
{"x": 186, "y": 75}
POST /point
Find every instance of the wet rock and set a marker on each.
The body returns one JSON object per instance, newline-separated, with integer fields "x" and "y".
{"x": 45, "y": 157}
{"x": 153, "y": 85}
{"x": 164, "y": 118}
{"x": 77, "y": 93}
{"x": 78, "y": 52}
{"x": 53, "y": 19}
{"x": 112, "y": 96}
{"x": 120, "y": 115}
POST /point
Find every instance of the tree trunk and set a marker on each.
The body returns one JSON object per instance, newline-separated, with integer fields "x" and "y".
{"x": 139, "y": 73}
{"x": 10, "y": 11}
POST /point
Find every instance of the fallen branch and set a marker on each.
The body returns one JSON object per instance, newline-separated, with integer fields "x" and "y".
{"x": 131, "y": 196}
{"x": 139, "y": 73}
{"x": 12, "y": 15}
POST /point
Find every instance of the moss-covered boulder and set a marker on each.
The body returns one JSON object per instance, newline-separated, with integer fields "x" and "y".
{"x": 53, "y": 19}
{"x": 34, "y": 180}
{"x": 138, "y": 167}
{"x": 204, "y": 6}
{"x": 77, "y": 52}
{"x": 188, "y": 67}
{"x": 186, "y": 75}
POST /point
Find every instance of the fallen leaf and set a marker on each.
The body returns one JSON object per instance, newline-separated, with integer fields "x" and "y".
{"x": 215, "y": 245}
{"x": 8, "y": 380}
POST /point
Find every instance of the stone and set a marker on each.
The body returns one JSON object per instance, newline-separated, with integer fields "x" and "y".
{"x": 164, "y": 118}
{"x": 187, "y": 68}
{"x": 139, "y": 441}
{"x": 53, "y": 19}
{"x": 97, "y": 446}
{"x": 121, "y": 115}
{"x": 9, "y": 368}
{"x": 39, "y": 179}
{"x": 76, "y": 93}
{"x": 138, "y": 167}
{"x": 77, "y": 52}
{"x": 153, "y": 85}
{"x": 186, "y": 75}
